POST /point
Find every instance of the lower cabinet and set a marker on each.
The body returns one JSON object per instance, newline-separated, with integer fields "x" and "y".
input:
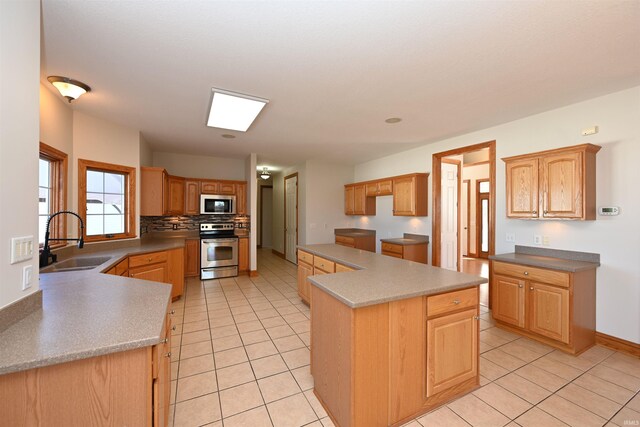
{"x": 309, "y": 265}
{"x": 367, "y": 243}
{"x": 304, "y": 287}
{"x": 554, "y": 307}
{"x": 243, "y": 254}
{"x": 128, "y": 388}
{"x": 192, "y": 258}
{"x": 413, "y": 252}
{"x": 163, "y": 266}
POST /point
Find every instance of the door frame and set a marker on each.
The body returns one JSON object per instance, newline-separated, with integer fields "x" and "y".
{"x": 437, "y": 208}
{"x": 458, "y": 163}
{"x": 295, "y": 174}
{"x": 468, "y": 202}
{"x": 479, "y": 198}
{"x": 260, "y": 208}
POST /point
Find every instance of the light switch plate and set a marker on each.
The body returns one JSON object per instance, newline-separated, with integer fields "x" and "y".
{"x": 21, "y": 249}
{"x": 537, "y": 239}
{"x": 511, "y": 237}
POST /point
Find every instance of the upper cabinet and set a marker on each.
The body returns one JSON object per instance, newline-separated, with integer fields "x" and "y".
{"x": 162, "y": 194}
{"x": 409, "y": 195}
{"x": 554, "y": 184}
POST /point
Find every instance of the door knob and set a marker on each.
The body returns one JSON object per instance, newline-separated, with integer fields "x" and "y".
{"x": 520, "y": 286}
{"x": 531, "y": 288}
{"x": 526, "y": 273}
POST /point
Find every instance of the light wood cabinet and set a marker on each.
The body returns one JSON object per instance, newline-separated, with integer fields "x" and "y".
{"x": 192, "y": 258}
{"x": 410, "y": 195}
{"x": 356, "y": 201}
{"x": 191, "y": 197}
{"x": 243, "y": 254}
{"x": 554, "y": 307}
{"x": 226, "y": 188}
{"x": 413, "y": 252}
{"x": 153, "y": 272}
{"x": 364, "y": 242}
{"x": 175, "y": 272}
{"x": 305, "y": 269}
{"x": 379, "y": 188}
{"x": 553, "y": 184}
{"x": 241, "y": 198}
{"x": 152, "y": 191}
{"x": 209, "y": 187}
{"x": 162, "y": 266}
{"x": 127, "y": 388}
{"x": 174, "y": 196}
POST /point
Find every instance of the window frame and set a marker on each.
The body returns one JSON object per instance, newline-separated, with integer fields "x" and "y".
{"x": 58, "y": 161}
{"x": 129, "y": 193}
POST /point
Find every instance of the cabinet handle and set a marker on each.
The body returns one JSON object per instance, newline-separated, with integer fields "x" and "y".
{"x": 164, "y": 341}
{"x": 520, "y": 286}
{"x": 476, "y": 317}
{"x": 456, "y": 301}
{"x": 168, "y": 354}
{"x": 173, "y": 328}
{"x": 172, "y": 312}
{"x": 149, "y": 259}
{"x": 546, "y": 212}
{"x": 531, "y": 288}
{"x": 535, "y": 212}
{"x": 526, "y": 273}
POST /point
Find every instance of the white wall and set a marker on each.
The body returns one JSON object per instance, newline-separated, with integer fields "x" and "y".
{"x": 146, "y": 155}
{"x": 267, "y": 217}
{"x": 19, "y": 147}
{"x": 252, "y": 199}
{"x": 102, "y": 141}
{"x": 616, "y": 239}
{"x": 325, "y": 200}
{"x": 191, "y": 166}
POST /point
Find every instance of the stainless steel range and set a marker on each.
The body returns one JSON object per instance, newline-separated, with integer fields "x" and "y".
{"x": 218, "y": 251}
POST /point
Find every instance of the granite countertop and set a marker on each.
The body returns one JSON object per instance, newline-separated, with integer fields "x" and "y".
{"x": 408, "y": 239}
{"x": 553, "y": 259}
{"x": 354, "y": 232}
{"x": 381, "y": 279}
{"x": 86, "y": 313}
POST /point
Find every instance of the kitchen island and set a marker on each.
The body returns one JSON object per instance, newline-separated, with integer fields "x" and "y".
{"x": 392, "y": 339}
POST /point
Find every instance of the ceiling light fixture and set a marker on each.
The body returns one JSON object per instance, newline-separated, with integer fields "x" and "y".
{"x": 234, "y": 111}
{"x": 69, "y": 88}
{"x": 392, "y": 120}
{"x": 265, "y": 174}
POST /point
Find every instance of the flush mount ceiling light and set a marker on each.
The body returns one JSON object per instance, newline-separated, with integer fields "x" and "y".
{"x": 392, "y": 120}
{"x": 69, "y": 88}
{"x": 234, "y": 111}
{"x": 265, "y": 174}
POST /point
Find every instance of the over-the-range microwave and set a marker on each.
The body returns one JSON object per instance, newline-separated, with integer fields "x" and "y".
{"x": 217, "y": 205}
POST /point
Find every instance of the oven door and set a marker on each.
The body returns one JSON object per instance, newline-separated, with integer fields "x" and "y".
{"x": 219, "y": 252}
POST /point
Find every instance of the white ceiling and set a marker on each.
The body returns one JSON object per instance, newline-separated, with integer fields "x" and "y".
{"x": 334, "y": 71}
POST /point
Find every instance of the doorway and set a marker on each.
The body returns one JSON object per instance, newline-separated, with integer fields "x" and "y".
{"x": 291, "y": 217}
{"x": 450, "y": 193}
{"x": 483, "y": 213}
{"x": 266, "y": 216}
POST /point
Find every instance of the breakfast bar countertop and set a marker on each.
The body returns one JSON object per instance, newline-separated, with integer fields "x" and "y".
{"x": 380, "y": 278}
{"x": 86, "y": 313}
{"x": 553, "y": 259}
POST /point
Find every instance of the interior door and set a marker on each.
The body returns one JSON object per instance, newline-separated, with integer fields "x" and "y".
{"x": 483, "y": 215}
{"x": 449, "y": 226}
{"x": 291, "y": 217}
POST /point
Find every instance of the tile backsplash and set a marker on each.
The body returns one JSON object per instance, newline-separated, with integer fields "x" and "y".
{"x": 187, "y": 223}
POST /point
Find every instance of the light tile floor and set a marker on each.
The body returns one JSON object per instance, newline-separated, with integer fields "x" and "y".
{"x": 240, "y": 357}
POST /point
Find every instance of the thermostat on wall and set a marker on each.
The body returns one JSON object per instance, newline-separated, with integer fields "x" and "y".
{"x": 609, "y": 210}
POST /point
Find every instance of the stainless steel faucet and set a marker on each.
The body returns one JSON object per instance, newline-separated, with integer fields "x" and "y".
{"x": 46, "y": 254}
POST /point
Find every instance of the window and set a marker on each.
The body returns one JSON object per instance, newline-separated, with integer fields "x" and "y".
{"x": 52, "y": 194}
{"x": 106, "y": 200}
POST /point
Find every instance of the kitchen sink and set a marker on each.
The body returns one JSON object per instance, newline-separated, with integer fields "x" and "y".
{"x": 76, "y": 264}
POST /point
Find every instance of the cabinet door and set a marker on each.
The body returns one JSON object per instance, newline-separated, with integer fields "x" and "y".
{"x": 209, "y": 187}
{"x": 162, "y": 379}
{"x": 228, "y": 188}
{"x": 243, "y": 254}
{"x": 191, "y": 198}
{"x": 403, "y": 196}
{"x": 549, "y": 311}
{"x": 304, "y": 289}
{"x": 152, "y": 183}
{"x": 348, "y": 200}
{"x": 175, "y": 196}
{"x": 192, "y": 258}
{"x": 371, "y": 189}
{"x": 154, "y": 272}
{"x": 562, "y": 185}
{"x": 522, "y": 188}
{"x": 508, "y": 300}
{"x": 359, "y": 199}
{"x": 175, "y": 272}
{"x": 385, "y": 188}
{"x": 452, "y": 350}
{"x": 241, "y": 199}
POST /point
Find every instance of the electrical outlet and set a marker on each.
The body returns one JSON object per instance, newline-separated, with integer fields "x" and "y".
{"x": 175, "y": 226}
{"x": 511, "y": 237}
{"x": 537, "y": 239}
{"x": 545, "y": 240}
{"x": 27, "y": 273}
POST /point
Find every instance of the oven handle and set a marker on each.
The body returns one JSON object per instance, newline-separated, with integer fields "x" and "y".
{"x": 219, "y": 240}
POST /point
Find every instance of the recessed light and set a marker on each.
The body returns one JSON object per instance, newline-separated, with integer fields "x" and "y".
{"x": 228, "y": 135}
{"x": 393, "y": 120}
{"x": 234, "y": 111}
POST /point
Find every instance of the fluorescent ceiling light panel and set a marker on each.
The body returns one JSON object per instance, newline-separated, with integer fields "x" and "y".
{"x": 234, "y": 111}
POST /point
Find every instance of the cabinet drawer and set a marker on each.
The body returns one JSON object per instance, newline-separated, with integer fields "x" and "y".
{"x": 385, "y": 188}
{"x": 343, "y": 268}
{"x": 324, "y": 264}
{"x": 371, "y": 190}
{"x": 305, "y": 257}
{"x": 393, "y": 254}
{"x": 122, "y": 267}
{"x": 346, "y": 241}
{"x": 552, "y": 277}
{"x": 146, "y": 259}
{"x": 390, "y": 247}
{"x": 443, "y": 303}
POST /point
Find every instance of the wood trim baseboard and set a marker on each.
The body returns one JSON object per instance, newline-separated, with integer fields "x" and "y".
{"x": 253, "y": 273}
{"x": 280, "y": 254}
{"x": 618, "y": 344}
